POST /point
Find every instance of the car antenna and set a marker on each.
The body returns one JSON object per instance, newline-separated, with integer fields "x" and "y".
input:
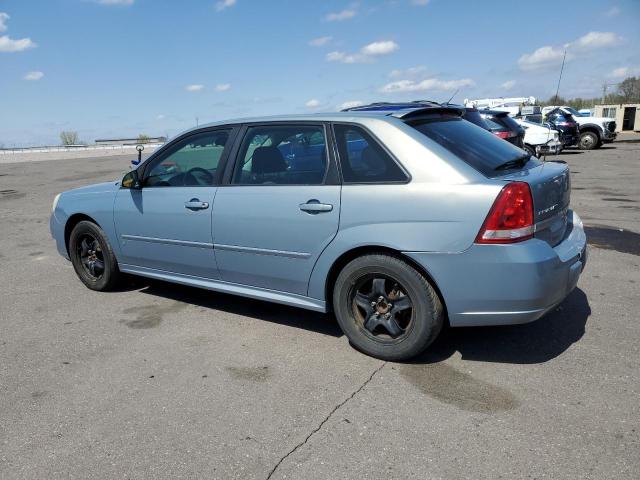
{"x": 454, "y": 94}
{"x": 564, "y": 56}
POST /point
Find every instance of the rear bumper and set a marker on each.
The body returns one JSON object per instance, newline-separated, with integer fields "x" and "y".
{"x": 568, "y": 140}
{"x": 507, "y": 284}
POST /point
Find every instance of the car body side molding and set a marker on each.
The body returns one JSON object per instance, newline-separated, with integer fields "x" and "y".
{"x": 257, "y": 293}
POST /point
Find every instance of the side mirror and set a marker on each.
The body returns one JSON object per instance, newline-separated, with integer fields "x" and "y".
{"x": 131, "y": 181}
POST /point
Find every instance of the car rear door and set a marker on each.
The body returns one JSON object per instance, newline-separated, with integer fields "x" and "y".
{"x": 166, "y": 225}
{"x": 278, "y": 208}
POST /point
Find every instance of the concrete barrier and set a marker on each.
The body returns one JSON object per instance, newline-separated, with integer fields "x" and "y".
{"x": 19, "y": 155}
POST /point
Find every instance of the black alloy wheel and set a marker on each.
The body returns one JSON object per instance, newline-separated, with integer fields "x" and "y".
{"x": 387, "y": 308}
{"x": 90, "y": 253}
{"x": 382, "y": 308}
{"x": 92, "y": 257}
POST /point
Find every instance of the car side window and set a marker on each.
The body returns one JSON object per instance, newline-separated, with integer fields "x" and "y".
{"x": 193, "y": 161}
{"x": 363, "y": 160}
{"x": 282, "y": 155}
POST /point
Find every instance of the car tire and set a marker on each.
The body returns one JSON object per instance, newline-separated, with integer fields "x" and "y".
{"x": 363, "y": 299}
{"x": 92, "y": 257}
{"x": 588, "y": 141}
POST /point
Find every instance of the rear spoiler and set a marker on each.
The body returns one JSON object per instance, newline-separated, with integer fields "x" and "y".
{"x": 409, "y": 114}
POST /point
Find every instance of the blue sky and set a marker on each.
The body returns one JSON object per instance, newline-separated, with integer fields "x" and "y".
{"x": 110, "y": 68}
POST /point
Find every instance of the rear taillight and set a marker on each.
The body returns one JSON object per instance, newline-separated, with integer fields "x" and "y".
{"x": 503, "y": 135}
{"x": 510, "y": 219}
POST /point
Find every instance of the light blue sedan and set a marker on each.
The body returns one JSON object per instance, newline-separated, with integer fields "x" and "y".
{"x": 399, "y": 219}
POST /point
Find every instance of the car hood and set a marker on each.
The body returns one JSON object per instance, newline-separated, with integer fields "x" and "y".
{"x": 582, "y": 120}
{"x": 104, "y": 187}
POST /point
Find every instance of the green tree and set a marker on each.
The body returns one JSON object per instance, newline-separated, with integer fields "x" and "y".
{"x": 629, "y": 90}
{"x": 69, "y": 138}
{"x": 142, "y": 138}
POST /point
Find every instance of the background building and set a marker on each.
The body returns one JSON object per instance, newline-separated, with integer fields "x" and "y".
{"x": 627, "y": 115}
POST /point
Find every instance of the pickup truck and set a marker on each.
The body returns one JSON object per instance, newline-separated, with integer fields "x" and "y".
{"x": 594, "y": 131}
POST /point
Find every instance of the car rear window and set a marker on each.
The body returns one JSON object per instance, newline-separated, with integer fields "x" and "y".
{"x": 511, "y": 123}
{"x": 478, "y": 148}
{"x": 473, "y": 116}
{"x": 494, "y": 125}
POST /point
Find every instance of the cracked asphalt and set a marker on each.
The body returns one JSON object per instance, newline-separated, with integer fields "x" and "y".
{"x": 163, "y": 381}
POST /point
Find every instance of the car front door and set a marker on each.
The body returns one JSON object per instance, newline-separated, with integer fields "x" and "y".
{"x": 279, "y": 207}
{"x": 166, "y": 224}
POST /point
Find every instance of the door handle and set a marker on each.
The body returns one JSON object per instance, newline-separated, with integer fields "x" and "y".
{"x": 314, "y": 206}
{"x": 195, "y": 204}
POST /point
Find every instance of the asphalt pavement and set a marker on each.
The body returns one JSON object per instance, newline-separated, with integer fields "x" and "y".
{"x": 164, "y": 381}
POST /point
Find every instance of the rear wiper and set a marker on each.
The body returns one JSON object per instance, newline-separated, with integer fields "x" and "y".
{"x": 520, "y": 161}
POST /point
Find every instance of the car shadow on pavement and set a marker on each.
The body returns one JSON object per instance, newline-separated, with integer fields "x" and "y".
{"x": 261, "y": 310}
{"x": 535, "y": 342}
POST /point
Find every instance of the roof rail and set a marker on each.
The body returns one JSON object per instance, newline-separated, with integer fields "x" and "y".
{"x": 391, "y": 106}
{"x": 411, "y": 109}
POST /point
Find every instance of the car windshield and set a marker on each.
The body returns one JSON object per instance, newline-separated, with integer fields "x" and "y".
{"x": 480, "y": 149}
{"x": 573, "y": 112}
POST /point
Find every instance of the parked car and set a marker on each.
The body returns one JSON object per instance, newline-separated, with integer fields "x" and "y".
{"x": 512, "y": 105}
{"x": 565, "y": 124}
{"x": 503, "y": 126}
{"x": 540, "y": 140}
{"x": 470, "y": 114}
{"x": 473, "y": 115}
{"x": 397, "y": 220}
{"x": 594, "y": 131}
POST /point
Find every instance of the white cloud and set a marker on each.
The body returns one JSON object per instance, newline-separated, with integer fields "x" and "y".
{"x": 508, "y": 85}
{"x": 613, "y": 12}
{"x": 343, "y": 57}
{"x": 380, "y": 48}
{"x": 116, "y": 2}
{"x": 33, "y": 76}
{"x": 543, "y": 57}
{"x": 402, "y": 86}
{"x": 595, "y": 40}
{"x": 319, "y": 42}
{"x": 194, "y": 88}
{"x": 345, "y": 14}
{"x": 8, "y": 44}
{"x": 313, "y": 103}
{"x": 222, "y": 4}
{"x": 366, "y": 53}
{"x": 350, "y": 104}
{"x": 3, "y": 21}
{"x": 619, "y": 72}
{"x": 411, "y": 72}
{"x": 624, "y": 72}
{"x": 420, "y": 3}
{"x": 223, "y": 87}
{"x": 550, "y": 56}
{"x": 160, "y": 117}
